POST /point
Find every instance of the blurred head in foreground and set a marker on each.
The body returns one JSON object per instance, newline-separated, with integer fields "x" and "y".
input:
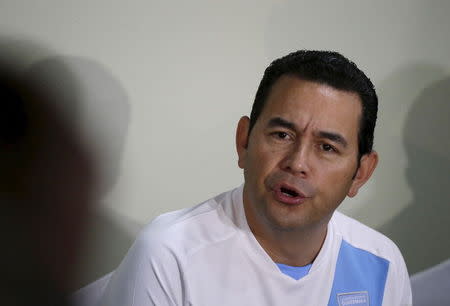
{"x": 47, "y": 183}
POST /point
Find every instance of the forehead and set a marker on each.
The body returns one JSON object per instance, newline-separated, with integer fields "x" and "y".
{"x": 313, "y": 105}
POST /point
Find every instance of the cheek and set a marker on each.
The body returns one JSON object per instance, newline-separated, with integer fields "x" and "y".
{"x": 337, "y": 177}
{"x": 337, "y": 168}
{"x": 264, "y": 161}
{"x": 259, "y": 164}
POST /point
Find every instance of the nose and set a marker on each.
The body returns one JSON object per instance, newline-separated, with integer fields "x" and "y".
{"x": 297, "y": 161}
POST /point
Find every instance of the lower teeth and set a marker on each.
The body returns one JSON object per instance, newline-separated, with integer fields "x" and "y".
{"x": 287, "y": 194}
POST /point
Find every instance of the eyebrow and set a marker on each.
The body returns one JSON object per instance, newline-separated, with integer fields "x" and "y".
{"x": 335, "y": 137}
{"x": 277, "y": 121}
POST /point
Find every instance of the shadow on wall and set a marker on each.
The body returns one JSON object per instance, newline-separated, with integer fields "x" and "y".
{"x": 109, "y": 236}
{"x": 94, "y": 101}
{"x": 422, "y": 229}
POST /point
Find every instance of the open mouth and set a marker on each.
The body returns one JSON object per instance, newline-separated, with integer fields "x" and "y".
{"x": 289, "y": 192}
{"x": 288, "y": 195}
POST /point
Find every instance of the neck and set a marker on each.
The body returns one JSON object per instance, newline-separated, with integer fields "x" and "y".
{"x": 294, "y": 247}
{"x": 298, "y": 248}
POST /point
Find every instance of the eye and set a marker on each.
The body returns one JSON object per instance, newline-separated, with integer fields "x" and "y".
{"x": 281, "y": 135}
{"x": 327, "y": 147}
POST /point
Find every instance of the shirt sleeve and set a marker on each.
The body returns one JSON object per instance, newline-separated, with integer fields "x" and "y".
{"x": 150, "y": 274}
{"x": 406, "y": 295}
{"x": 398, "y": 285}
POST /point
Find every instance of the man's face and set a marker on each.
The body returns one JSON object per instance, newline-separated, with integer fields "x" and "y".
{"x": 300, "y": 159}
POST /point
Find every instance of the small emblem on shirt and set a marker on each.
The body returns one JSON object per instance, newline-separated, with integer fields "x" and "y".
{"x": 360, "y": 298}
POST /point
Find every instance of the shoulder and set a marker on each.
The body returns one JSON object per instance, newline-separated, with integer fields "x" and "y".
{"x": 363, "y": 237}
{"x": 153, "y": 271}
{"x": 183, "y": 231}
{"x": 374, "y": 254}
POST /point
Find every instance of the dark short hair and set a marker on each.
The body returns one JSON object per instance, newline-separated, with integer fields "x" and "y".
{"x": 332, "y": 69}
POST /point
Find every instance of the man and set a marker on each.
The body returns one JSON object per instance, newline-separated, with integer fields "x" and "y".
{"x": 277, "y": 240}
{"x": 47, "y": 183}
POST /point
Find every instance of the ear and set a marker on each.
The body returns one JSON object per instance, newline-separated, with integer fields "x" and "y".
{"x": 242, "y": 140}
{"x": 367, "y": 165}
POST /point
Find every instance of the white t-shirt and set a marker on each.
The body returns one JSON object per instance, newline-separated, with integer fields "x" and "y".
{"x": 207, "y": 256}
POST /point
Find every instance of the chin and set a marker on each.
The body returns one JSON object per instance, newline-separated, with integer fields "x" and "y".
{"x": 286, "y": 223}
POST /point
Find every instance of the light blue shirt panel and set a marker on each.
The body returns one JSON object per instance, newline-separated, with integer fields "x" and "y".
{"x": 294, "y": 272}
{"x": 359, "y": 276}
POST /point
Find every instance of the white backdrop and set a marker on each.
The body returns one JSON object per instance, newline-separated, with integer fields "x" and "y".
{"x": 160, "y": 85}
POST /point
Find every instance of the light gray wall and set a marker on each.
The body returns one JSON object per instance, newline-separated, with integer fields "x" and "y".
{"x": 159, "y": 87}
